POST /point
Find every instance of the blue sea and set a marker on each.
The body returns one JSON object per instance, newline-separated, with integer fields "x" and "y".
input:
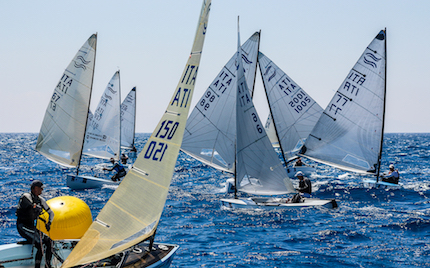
{"x": 370, "y": 228}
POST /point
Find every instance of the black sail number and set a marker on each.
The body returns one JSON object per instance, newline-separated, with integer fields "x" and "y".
{"x": 156, "y": 150}
{"x": 255, "y": 119}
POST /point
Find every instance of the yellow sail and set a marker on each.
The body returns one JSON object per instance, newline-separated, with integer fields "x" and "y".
{"x": 63, "y": 128}
{"x": 134, "y": 210}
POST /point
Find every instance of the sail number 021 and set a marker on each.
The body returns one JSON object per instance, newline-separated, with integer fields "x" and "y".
{"x": 156, "y": 150}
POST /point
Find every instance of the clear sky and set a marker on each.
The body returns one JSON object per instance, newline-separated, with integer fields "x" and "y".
{"x": 315, "y": 42}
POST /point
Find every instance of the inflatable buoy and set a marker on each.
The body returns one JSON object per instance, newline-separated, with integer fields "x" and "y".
{"x": 72, "y": 217}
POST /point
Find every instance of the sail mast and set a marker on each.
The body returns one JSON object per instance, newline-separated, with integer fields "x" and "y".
{"x": 273, "y": 121}
{"x": 119, "y": 105}
{"x": 255, "y": 71}
{"x": 88, "y": 108}
{"x": 134, "y": 123}
{"x": 383, "y": 111}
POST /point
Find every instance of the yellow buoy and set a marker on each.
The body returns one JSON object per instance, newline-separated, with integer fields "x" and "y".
{"x": 72, "y": 217}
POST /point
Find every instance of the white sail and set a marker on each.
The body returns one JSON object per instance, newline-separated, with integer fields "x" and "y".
{"x": 62, "y": 132}
{"x": 211, "y": 129}
{"x": 270, "y": 131}
{"x": 293, "y": 111}
{"x": 132, "y": 213}
{"x": 349, "y": 133}
{"x": 128, "y": 119}
{"x": 259, "y": 169}
{"x": 103, "y": 135}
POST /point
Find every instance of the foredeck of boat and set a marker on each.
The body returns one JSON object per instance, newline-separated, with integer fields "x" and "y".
{"x": 145, "y": 258}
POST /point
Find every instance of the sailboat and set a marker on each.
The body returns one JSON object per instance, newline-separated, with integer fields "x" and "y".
{"x": 128, "y": 120}
{"x": 258, "y": 168}
{"x": 293, "y": 113}
{"x": 102, "y": 136}
{"x": 61, "y": 136}
{"x": 349, "y": 134}
{"x": 210, "y": 133}
{"x": 123, "y": 233}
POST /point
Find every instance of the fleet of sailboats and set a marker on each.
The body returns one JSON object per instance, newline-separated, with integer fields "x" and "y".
{"x": 223, "y": 131}
{"x": 123, "y": 233}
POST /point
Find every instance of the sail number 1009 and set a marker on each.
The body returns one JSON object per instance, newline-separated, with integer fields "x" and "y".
{"x": 156, "y": 150}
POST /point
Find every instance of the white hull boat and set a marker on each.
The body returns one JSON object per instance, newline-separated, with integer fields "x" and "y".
{"x": 277, "y": 203}
{"x": 22, "y": 255}
{"x": 88, "y": 182}
{"x": 372, "y": 183}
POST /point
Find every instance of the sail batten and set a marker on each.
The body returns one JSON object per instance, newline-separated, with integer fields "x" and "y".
{"x": 142, "y": 198}
{"x": 351, "y": 130}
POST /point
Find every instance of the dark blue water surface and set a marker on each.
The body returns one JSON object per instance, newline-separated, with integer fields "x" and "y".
{"x": 371, "y": 227}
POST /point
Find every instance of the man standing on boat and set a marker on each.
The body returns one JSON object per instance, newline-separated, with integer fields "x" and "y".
{"x": 393, "y": 175}
{"x": 305, "y": 186}
{"x": 120, "y": 170}
{"x": 29, "y": 208}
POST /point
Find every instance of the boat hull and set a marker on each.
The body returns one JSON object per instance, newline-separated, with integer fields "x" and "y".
{"x": 22, "y": 256}
{"x": 87, "y": 182}
{"x": 307, "y": 171}
{"x": 371, "y": 183}
{"x": 277, "y": 203}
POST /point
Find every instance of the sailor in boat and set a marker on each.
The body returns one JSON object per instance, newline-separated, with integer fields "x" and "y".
{"x": 29, "y": 208}
{"x": 392, "y": 176}
{"x": 305, "y": 186}
{"x": 299, "y": 163}
{"x": 133, "y": 150}
{"x": 124, "y": 159}
{"x": 120, "y": 170}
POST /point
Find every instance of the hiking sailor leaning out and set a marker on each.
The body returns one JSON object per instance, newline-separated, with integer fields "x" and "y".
{"x": 118, "y": 168}
{"x": 29, "y": 208}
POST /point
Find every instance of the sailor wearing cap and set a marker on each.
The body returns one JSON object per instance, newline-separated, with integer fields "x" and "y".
{"x": 392, "y": 176}
{"x": 305, "y": 185}
{"x": 28, "y": 210}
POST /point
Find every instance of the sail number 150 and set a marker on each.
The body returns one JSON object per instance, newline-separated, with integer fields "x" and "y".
{"x": 156, "y": 150}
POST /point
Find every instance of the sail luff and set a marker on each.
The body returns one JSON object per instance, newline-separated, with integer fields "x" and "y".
{"x": 128, "y": 119}
{"x": 86, "y": 120}
{"x": 271, "y": 115}
{"x": 132, "y": 213}
{"x": 383, "y": 113}
{"x": 62, "y": 132}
